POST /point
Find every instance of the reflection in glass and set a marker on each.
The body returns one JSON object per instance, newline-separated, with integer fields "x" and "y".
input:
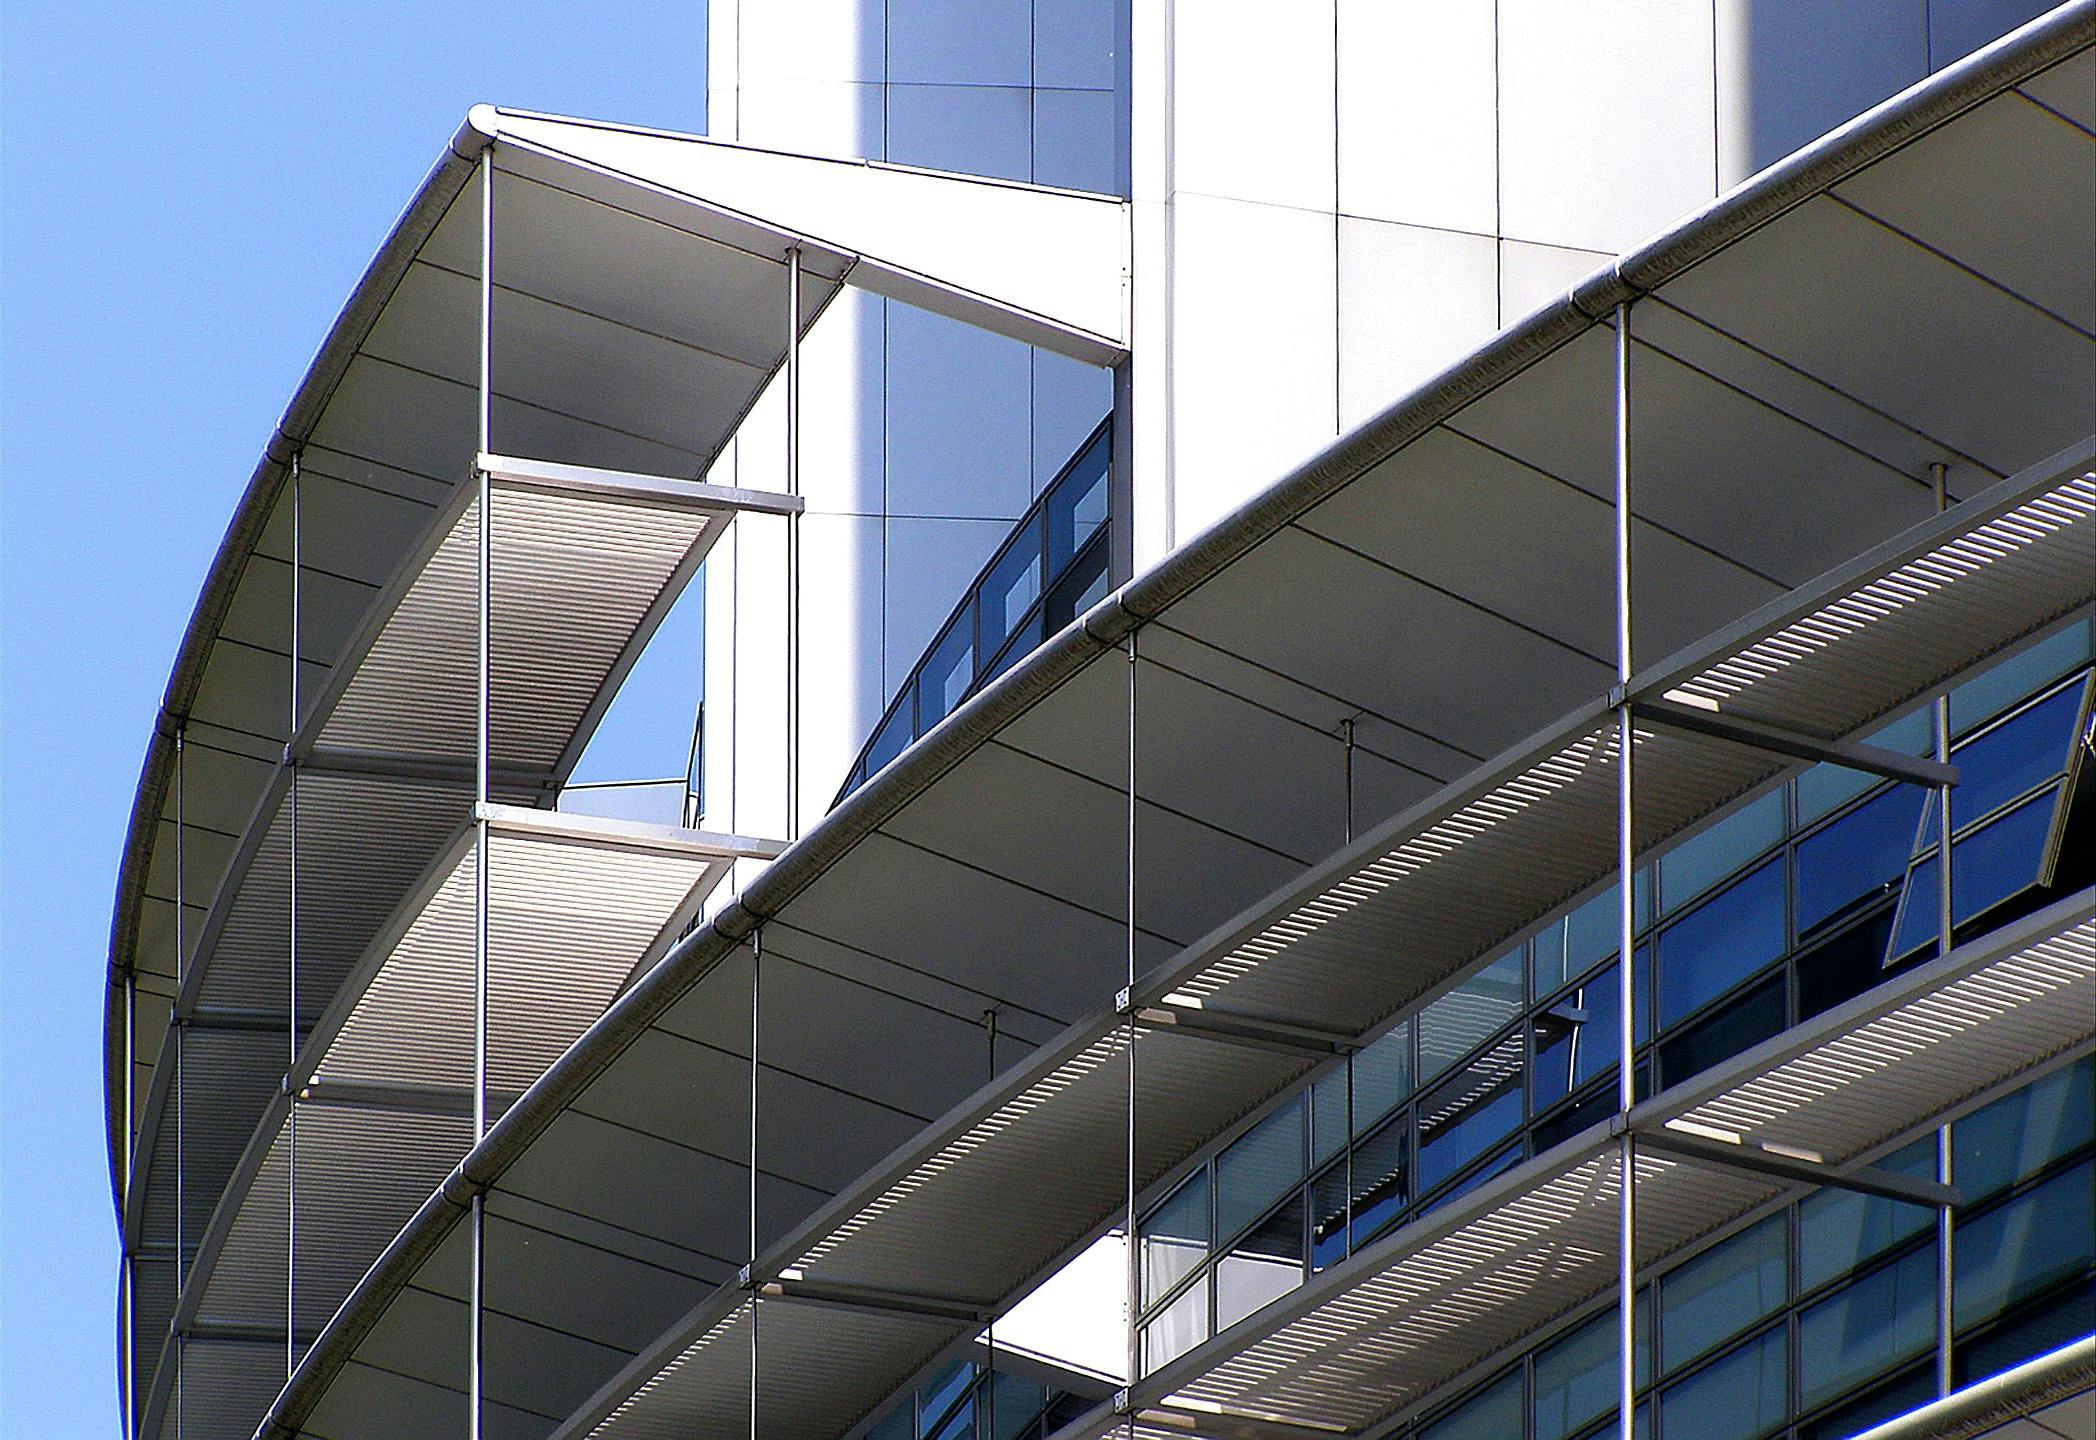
{"x": 2019, "y": 1134}
{"x": 1470, "y": 1113}
{"x": 1839, "y": 1230}
{"x": 1862, "y": 1331}
{"x": 1011, "y": 586}
{"x": 1723, "y": 1291}
{"x": 1494, "y": 1414}
{"x": 1695, "y": 865}
{"x": 1077, "y": 506}
{"x": 1182, "y": 1325}
{"x": 1382, "y": 1077}
{"x": 1469, "y": 1014}
{"x": 2034, "y": 1241}
{"x": 1259, "y": 1165}
{"x": 1379, "y": 1181}
{"x": 1858, "y": 858}
{"x": 1987, "y": 866}
{"x": 1266, "y": 1265}
{"x": 1175, "y": 1237}
{"x": 1732, "y": 935}
{"x": 1996, "y": 767}
{"x": 1744, "y": 1396}
{"x": 948, "y": 672}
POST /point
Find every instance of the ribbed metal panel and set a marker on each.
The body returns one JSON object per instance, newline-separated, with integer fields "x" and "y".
{"x": 225, "y": 1384}
{"x": 231, "y": 1077}
{"x": 1901, "y": 633}
{"x": 1923, "y": 1057}
{"x": 574, "y": 578}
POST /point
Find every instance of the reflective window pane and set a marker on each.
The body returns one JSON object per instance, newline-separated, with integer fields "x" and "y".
{"x": 1468, "y": 1015}
{"x": 1379, "y": 1181}
{"x": 1083, "y": 587}
{"x": 1984, "y": 696}
{"x": 1722, "y": 1292}
{"x": 1858, "y": 858}
{"x": 1987, "y": 866}
{"x": 1839, "y": 1230}
{"x": 1266, "y": 1265}
{"x": 1695, "y": 865}
{"x": 1011, "y": 587}
{"x": 1732, "y": 935}
{"x": 1328, "y": 1114}
{"x": 1996, "y": 767}
{"x": 1257, "y": 1168}
{"x": 1470, "y": 1113}
{"x": 1328, "y": 1218}
{"x": 1732, "y": 1028}
{"x": 1382, "y": 1077}
{"x": 1744, "y": 1396}
{"x": 2036, "y": 1240}
{"x": 1077, "y": 506}
{"x": 894, "y": 737}
{"x": 1182, "y": 1325}
{"x": 2019, "y": 1134}
{"x": 1867, "y": 1328}
{"x": 1576, "y": 1378}
{"x": 1591, "y": 931}
{"x": 948, "y": 672}
{"x": 1493, "y": 1414}
{"x": 1015, "y": 1405}
{"x": 1175, "y": 1237}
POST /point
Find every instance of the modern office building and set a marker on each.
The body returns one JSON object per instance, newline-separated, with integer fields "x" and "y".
{"x": 1251, "y": 556}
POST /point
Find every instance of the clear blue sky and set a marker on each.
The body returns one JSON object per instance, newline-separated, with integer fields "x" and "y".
{"x": 187, "y": 193}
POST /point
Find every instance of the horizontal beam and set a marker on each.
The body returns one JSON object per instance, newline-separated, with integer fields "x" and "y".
{"x": 1203, "y": 1424}
{"x": 549, "y": 475}
{"x": 559, "y": 825}
{"x": 1238, "y": 1029}
{"x": 1801, "y": 1169}
{"x": 399, "y": 1099}
{"x": 232, "y": 1018}
{"x": 1761, "y": 735}
{"x": 222, "y": 1333}
{"x": 866, "y": 1297}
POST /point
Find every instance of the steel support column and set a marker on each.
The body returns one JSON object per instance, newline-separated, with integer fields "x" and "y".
{"x": 1626, "y": 967}
{"x": 481, "y": 761}
{"x": 291, "y": 957}
{"x": 1945, "y": 921}
{"x": 127, "y": 1276}
{"x": 756, "y": 993}
{"x": 182, "y": 1070}
{"x": 793, "y": 544}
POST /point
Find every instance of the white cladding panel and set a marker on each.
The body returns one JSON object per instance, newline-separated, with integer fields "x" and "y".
{"x": 1531, "y": 275}
{"x": 1606, "y": 131}
{"x": 1255, "y": 355}
{"x": 1253, "y": 97}
{"x": 1418, "y": 97}
{"x": 1411, "y": 299}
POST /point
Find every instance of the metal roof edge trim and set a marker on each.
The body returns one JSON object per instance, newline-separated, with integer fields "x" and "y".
{"x": 1339, "y": 1278}
{"x": 1974, "y": 1410}
{"x": 250, "y": 516}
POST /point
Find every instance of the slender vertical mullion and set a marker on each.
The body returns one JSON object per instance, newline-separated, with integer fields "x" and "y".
{"x": 756, "y": 994}
{"x": 181, "y": 1070}
{"x": 474, "y": 1330}
{"x": 291, "y": 948}
{"x": 1626, "y": 1076}
{"x": 1945, "y": 922}
{"x": 793, "y": 544}
{"x": 1128, "y": 1006}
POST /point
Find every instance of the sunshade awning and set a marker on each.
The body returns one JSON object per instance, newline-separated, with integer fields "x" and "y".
{"x": 1751, "y": 478}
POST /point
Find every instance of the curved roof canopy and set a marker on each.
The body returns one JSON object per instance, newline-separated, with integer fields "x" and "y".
{"x": 1802, "y": 352}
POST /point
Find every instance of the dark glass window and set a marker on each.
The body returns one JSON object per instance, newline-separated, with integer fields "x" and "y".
{"x": 1695, "y": 865}
{"x": 1894, "y": 1397}
{"x": 1744, "y": 1396}
{"x": 1258, "y": 1167}
{"x": 1737, "y": 1026}
{"x": 2001, "y": 685}
{"x": 1076, "y": 508}
{"x": 1987, "y": 866}
{"x": 1858, "y": 858}
{"x": 1732, "y": 935}
{"x": 1470, "y": 1014}
{"x": 1328, "y": 1217}
{"x": 1083, "y": 587}
{"x": 1382, "y": 1077}
{"x": 893, "y": 739}
{"x": 1379, "y": 1181}
{"x": 1723, "y": 1291}
{"x": 2017, "y": 1250}
{"x": 1866, "y": 1329}
{"x": 1844, "y": 966}
{"x": 948, "y": 671}
{"x": 1492, "y": 1414}
{"x": 1328, "y": 1114}
{"x": 2019, "y": 1134}
{"x": 2032, "y": 1331}
{"x": 1576, "y": 1378}
{"x": 2015, "y": 755}
{"x": 1470, "y": 1113}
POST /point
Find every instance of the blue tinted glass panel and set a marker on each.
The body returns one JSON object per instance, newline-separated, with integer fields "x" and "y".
{"x": 1592, "y": 930}
{"x": 894, "y": 737}
{"x": 1857, "y": 858}
{"x": 1382, "y": 1077}
{"x": 1493, "y": 1414}
{"x": 1076, "y": 507}
{"x": 1867, "y": 1328}
{"x": 1505, "y": 1160}
{"x": 1695, "y": 865}
{"x": 948, "y": 672}
{"x": 959, "y": 1423}
{"x": 1823, "y": 789}
{"x": 2039, "y": 1238}
{"x": 933, "y": 1401}
{"x": 1024, "y": 643}
{"x": 2019, "y": 1134}
{"x": 1010, "y": 588}
{"x": 1015, "y": 1405}
{"x": 1547, "y": 968}
{"x": 1259, "y": 1165}
{"x": 1175, "y": 1237}
{"x": 899, "y": 1423}
{"x": 1470, "y": 1014}
{"x": 1735, "y": 933}
{"x": 1984, "y": 696}
{"x": 1738, "y": 1025}
{"x": 1576, "y": 1378}
{"x": 1379, "y": 1181}
{"x": 1723, "y": 1291}
{"x": 2015, "y": 755}
{"x": 1469, "y": 1114}
{"x": 1987, "y": 866}
{"x": 1839, "y": 1230}
{"x": 1328, "y": 1111}
{"x": 1744, "y": 1396}
{"x": 1328, "y": 1218}
{"x": 1083, "y": 587}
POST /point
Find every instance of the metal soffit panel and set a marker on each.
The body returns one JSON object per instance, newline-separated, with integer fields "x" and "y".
{"x": 1380, "y": 1332}
{"x": 1031, "y": 688}
{"x": 385, "y": 1082}
{"x": 1379, "y": 927}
